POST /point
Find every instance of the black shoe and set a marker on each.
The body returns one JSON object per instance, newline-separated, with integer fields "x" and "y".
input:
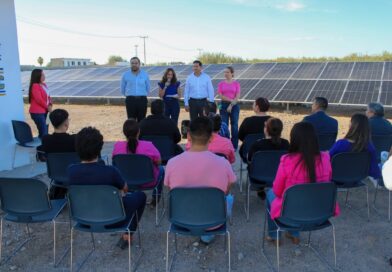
{"x": 261, "y": 194}
{"x": 123, "y": 244}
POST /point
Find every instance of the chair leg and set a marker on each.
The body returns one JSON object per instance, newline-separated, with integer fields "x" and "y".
{"x": 367, "y": 202}
{"x": 375, "y": 196}
{"x": 14, "y": 158}
{"x": 389, "y": 206}
{"x": 1, "y": 237}
{"x": 264, "y": 230}
{"x": 334, "y": 243}
{"x": 240, "y": 183}
{"x": 54, "y": 243}
{"x": 247, "y": 198}
{"x": 129, "y": 252}
{"x": 229, "y": 249}
{"x": 309, "y": 238}
{"x": 277, "y": 248}
{"x": 346, "y": 197}
{"x": 167, "y": 251}
{"x": 71, "y": 268}
{"x": 169, "y": 261}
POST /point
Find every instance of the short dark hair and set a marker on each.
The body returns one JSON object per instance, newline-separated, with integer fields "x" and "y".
{"x": 216, "y": 121}
{"x": 200, "y": 130}
{"x": 198, "y": 62}
{"x": 274, "y": 127}
{"x": 157, "y": 107}
{"x": 376, "y": 108}
{"x": 322, "y": 102}
{"x": 89, "y": 142}
{"x": 135, "y": 58}
{"x": 262, "y": 103}
{"x": 58, "y": 117}
{"x": 210, "y": 107}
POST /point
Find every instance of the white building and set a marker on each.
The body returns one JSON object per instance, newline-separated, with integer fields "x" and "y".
{"x": 70, "y": 62}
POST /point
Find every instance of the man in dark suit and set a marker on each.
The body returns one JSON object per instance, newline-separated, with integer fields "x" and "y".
{"x": 322, "y": 123}
{"x": 378, "y": 124}
{"x": 157, "y": 124}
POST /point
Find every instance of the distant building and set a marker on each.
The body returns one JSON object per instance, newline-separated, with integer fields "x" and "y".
{"x": 122, "y": 63}
{"x": 70, "y": 62}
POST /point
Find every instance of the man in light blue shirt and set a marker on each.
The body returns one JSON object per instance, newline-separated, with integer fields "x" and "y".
{"x": 135, "y": 86}
{"x": 198, "y": 91}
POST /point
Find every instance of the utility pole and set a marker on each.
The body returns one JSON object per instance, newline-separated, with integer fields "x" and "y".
{"x": 136, "y": 49}
{"x": 144, "y": 48}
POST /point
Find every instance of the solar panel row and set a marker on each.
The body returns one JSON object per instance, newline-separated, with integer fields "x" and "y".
{"x": 340, "y": 82}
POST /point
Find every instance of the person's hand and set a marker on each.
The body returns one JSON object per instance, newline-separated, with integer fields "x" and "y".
{"x": 187, "y": 108}
{"x": 167, "y": 84}
{"x": 50, "y": 108}
{"x": 229, "y": 108}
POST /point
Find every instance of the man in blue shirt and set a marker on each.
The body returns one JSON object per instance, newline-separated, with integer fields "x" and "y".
{"x": 378, "y": 124}
{"x": 198, "y": 91}
{"x": 135, "y": 86}
{"x": 322, "y": 123}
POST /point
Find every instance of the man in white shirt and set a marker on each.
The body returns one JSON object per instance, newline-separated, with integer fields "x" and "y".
{"x": 198, "y": 91}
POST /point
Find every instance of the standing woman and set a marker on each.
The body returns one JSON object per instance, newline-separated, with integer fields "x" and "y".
{"x": 170, "y": 92}
{"x": 229, "y": 92}
{"x": 40, "y": 101}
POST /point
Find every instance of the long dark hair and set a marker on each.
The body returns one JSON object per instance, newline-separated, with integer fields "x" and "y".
{"x": 174, "y": 78}
{"x": 359, "y": 132}
{"x": 274, "y": 127}
{"x": 36, "y": 75}
{"x": 131, "y": 130}
{"x": 303, "y": 140}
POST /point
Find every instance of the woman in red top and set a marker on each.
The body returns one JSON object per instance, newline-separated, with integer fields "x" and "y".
{"x": 40, "y": 101}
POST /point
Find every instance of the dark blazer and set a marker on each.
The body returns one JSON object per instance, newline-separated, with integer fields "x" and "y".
{"x": 380, "y": 126}
{"x": 322, "y": 123}
{"x": 160, "y": 125}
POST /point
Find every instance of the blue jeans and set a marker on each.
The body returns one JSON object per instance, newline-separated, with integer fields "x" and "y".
{"x": 234, "y": 115}
{"x": 172, "y": 108}
{"x": 40, "y": 121}
{"x": 271, "y": 225}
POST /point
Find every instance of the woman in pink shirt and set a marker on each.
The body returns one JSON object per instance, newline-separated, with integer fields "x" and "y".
{"x": 304, "y": 163}
{"x": 40, "y": 101}
{"x": 133, "y": 145}
{"x": 229, "y": 92}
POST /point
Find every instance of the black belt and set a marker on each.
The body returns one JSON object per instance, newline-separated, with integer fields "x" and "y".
{"x": 198, "y": 99}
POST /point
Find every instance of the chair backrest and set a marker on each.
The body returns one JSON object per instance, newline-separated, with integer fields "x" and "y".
{"x": 220, "y": 155}
{"x": 249, "y": 140}
{"x": 326, "y": 141}
{"x": 96, "y": 206}
{"x": 350, "y": 167}
{"x": 164, "y": 144}
{"x": 24, "y": 198}
{"x": 264, "y": 166}
{"x": 57, "y": 166}
{"x": 135, "y": 169}
{"x": 309, "y": 204}
{"x": 197, "y": 209}
{"x": 22, "y": 132}
{"x": 382, "y": 143}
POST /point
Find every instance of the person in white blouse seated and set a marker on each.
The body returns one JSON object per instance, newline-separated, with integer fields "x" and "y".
{"x": 198, "y": 91}
{"x": 387, "y": 172}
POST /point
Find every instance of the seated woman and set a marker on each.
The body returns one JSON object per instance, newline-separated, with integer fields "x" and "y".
{"x": 218, "y": 144}
{"x": 89, "y": 142}
{"x": 133, "y": 145}
{"x": 304, "y": 163}
{"x": 357, "y": 139}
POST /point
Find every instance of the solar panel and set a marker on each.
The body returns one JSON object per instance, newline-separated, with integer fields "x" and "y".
{"x": 257, "y": 70}
{"x": 388, "y": 71}
{"x": 337, "y": 70}
{"x": 282, "y": 70}
{"x": 361, "y": 92}
{"x": 386, "y": 93}
{"x": 214, "y": 69}
{"x": 330, "y": 89}
{"x": 238, "y": 69}
{"x": 295, "y": 90}
{"x": 267, "y": 88}
{"x": 367, "y": 71}
{"x": 309, "y": 71}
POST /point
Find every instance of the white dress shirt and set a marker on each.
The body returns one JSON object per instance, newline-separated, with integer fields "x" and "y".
{"x": 198, "y": 87}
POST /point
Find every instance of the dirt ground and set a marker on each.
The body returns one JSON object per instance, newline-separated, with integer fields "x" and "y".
{"x": 360, "y": 245}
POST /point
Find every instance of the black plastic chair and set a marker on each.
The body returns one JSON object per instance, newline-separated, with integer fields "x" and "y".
{"x": 326, "y": 141}
{"x": 261, "y": 173}
{"x": 306, "y": 207}
{"x": 26, "y": 201}
{"x": 221, "y": 155}
{"x": 192, "y": 211}
{"x": 57, "y": 167}
{"x": 94, "y": 214}
{"x": 24, "y": 138}
{"x": 137, "y": 171}
{"x": 164, "y": 144}
{"x": 249, "y": 140}
{"x": 382, "y": 143}
{"x": 349, "y": 169}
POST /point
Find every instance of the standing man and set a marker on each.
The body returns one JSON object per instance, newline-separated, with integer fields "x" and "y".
{"x": 135, "y": 86}
{"x": 198, "y": 91}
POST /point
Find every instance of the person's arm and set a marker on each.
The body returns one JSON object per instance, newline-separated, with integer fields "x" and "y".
{"x": 123, "y": 85}
{"x": 374, "y": 170}
{"x": 210, "y": 89}
{"x": 148, "y": 86}
{"x": 237, "y": 96}
{"x": 242, "y": 130}
{"x": 167, "y": 175}
{"x": 186, "y": 92}
{"x": 179, "y": 90}
{"x": 230, "y": 177}
{"x": 161, "y": 92}
{"x": 176, "y": 134}
{"x": 231, "y": 154}
{"x": 280, "y": 179}
{"x": 40, "y": 95}
{"x": 118, "y": 181}
{"x": 335, "y": 149}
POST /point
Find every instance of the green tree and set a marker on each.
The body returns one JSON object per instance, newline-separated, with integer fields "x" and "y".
{"x": 113, "y": 59}
{"x": 218, "y": 58}
{"x": 40, "y": 61}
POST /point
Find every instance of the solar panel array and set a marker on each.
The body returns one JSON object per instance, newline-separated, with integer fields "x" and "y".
{"x": 346, "y": 83}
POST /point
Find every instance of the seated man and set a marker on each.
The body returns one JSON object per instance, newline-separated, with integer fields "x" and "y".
{"x": 157, "y": 124}
{"x": 60, "y": 141}
{"x": 211, "y": 110}
{"x": 218, "y": 144}
{"x": 378, "y": 124}
{"x": 90, "y": 171}
{"x": 198, "y": 167}
{"x": 322, "y": 123}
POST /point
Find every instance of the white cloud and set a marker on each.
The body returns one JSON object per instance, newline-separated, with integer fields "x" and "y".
{"x": 291, "y": 6}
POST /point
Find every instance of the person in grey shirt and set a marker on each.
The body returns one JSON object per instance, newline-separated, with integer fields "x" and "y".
{"x": 135, "y": 86}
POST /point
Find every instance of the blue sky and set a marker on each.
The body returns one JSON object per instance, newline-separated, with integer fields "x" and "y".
{"x": 177, "y": 28}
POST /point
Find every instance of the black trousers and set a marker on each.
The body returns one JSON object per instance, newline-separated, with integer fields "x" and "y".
{"x": 136, "y": 107}
{"x": 196, "y": 107}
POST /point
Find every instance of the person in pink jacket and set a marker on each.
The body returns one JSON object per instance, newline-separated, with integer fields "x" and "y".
{"x": 304, "y": 163}
{"x": 40, "y": 101}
